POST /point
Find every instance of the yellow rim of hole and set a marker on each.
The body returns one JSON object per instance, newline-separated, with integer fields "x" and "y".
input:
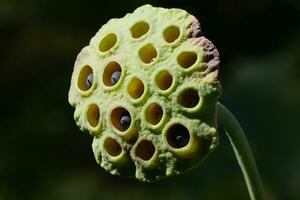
{"x": 188, "y": 98}
{"x": 139, "y": 29}
{"x": 112, "y": 147}
{"x": 93, "y": 115}
{"x": 148, "y": 53}
{"x": 187, "y": 59}
{"x": 154, "y": 113}
{"x": 171, "y": 33}
{"x": 109, "y": 69}
{"x": 108, "y": 42}
{"x": 135, "y": 88}
{"x": 164, "y": 80}
{"x": 144, "y": 150}
{"x": 116, "y": 114}
{"x": 178, "y": 136}
{"x": 83, "y": 74}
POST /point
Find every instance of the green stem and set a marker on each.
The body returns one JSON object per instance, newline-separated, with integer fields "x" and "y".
{"x": 242, "y": 151}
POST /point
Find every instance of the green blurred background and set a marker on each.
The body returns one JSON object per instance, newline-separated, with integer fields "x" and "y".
{"x": 44, "y": 156}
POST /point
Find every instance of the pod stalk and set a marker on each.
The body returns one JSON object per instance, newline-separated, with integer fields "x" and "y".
{"x": 242, "y": 152}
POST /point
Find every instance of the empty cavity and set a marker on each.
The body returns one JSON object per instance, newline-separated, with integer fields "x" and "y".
{"x": 171, "y": 33}
{"x": 186, "y": 59}
{"x": 112, "y": 147}
{"x": 145, "y": 150}
{"x": 154, "y": 113}
{"x": 178, "y": 136}
{"x": 148, "y": 53}
{"x": 112, "y": 73}
{"x": 135, "y": 88}
{"x": 188, "y": 98}
{"x": 85, "y": 78}
{"x": 139, "y": 29}
{"x": 120, "y": 118}
{"x": 164, "y": 80}
{"x": 93, "y": 115}
{"x": 108, "y": 42}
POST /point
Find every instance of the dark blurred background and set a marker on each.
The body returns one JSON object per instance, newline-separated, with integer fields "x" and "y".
{"x": 44, "y": 156}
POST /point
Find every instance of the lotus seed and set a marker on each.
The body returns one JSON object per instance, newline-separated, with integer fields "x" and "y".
{"x": 181, "y": 140}
{"x": 89, "y": 80}
{"x": 115, "y": 77}
{"x": 178, "y": 136}
{"x": 125, "y": 120}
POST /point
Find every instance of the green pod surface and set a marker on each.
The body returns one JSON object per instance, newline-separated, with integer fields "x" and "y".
{"x": 155, "y": 66}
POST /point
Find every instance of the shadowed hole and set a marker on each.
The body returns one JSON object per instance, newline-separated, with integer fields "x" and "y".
{"x": 120, "y": 118}
{"x": 135, "y": 88}
{"x": 145, "y": 150}
{"x": 85, "y": 78}
{"x": 148, "y": 53}
{"x": 139, "y": 29}
{"x": 171, "y": 33}
{"x": 187, "y": 59}
{"x": 108, "y": 42}
{"x": 178, "y": 136}
{"x": 154, "y": 113}
{"x": 93, "y": 115}
{"x": 112, "y": 147}
{"x": 188, "y": 98}
{"x": 164, "y": 80}
{"x": 109, "y": 71}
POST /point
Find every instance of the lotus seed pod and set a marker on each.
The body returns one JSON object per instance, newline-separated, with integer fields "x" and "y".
{"x": 146, "y": 88}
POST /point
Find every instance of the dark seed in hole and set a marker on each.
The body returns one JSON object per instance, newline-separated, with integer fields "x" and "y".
{"x": 89, "y": 80}
{"x": 181, "y": 140}
{"x": 178, "y": 136}
{"x": 125, "y": 120}
{"x": 115, "y": 77}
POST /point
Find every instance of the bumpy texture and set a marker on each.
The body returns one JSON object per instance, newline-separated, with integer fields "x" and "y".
{"x": 146, "y": 88}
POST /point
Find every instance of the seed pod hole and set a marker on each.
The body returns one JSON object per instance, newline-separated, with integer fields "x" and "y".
{"x": 112, "y": 147}
{"x": 171, "y": 33}
{"x": 135, "y": 88}
{"x": 108, "y": 42}
{"x": 187, "y": 59}
{"x": 139, "y": 29}
{"x": 93, "y": 115}
{"x": 164, "y": 80}
{"x": 111, "y": 73}
{"x": 148, "y": 53}
{"x": 154, "y": 113}
{"x": 145, "y": 150}
{"x": 85, "y": 78}
{"x": 178, "y": 136}
{"x": 188, "y": 98}
{"x": 120, "y": 118}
